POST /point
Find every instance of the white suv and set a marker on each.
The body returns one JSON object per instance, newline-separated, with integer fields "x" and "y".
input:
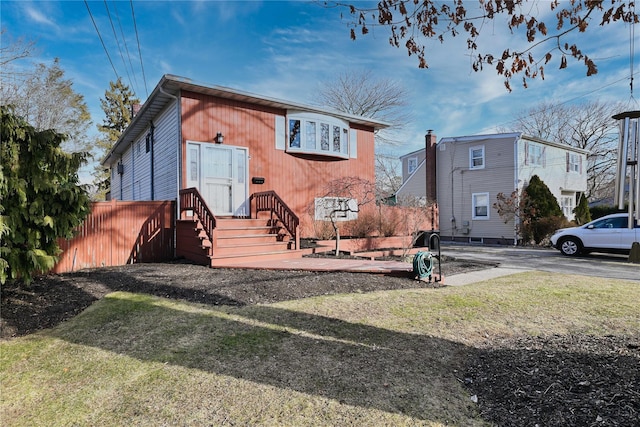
{"x": 607, "y": 234}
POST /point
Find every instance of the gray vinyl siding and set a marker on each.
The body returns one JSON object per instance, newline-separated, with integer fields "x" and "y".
{"x": 126, "y": 191}
{"x": 167, "y": 142}
{"x": 141, "y": 176}
{"x": 457, "y": 182}
{"x": 136, "y": 179}
{"x": 415, "y": 185}
{"x": 419, "y": 155}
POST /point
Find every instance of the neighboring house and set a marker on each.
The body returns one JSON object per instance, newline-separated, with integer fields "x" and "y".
{"x": 470, "y": 171}
{"x": 230, "y": 145}
{"x": 414, "y": 174}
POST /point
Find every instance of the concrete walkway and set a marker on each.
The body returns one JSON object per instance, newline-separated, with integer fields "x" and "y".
{"x": 480, "y": 275}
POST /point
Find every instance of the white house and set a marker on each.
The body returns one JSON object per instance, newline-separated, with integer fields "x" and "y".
{"x": 465, "y": 175}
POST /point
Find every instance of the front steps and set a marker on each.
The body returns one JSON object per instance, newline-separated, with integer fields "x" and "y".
{"x": 235, "y": 241}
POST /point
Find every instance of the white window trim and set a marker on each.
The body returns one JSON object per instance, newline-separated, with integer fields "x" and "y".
{"x": 319, "y": 119}
{"x": 412, "y": 165}
{"x": 474, "y": 197}
{"x": 342, "y": 208}
{"x": 574, "y": 162}
{"x": 483, "y": 157}
{"x": 533, "y": 160}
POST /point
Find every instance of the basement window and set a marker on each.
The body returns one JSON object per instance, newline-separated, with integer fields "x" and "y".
{"x": 340, "y": 208}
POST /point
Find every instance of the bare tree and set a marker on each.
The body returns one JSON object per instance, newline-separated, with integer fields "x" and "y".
{"x": 10, "y": 53}
{"x": 342, "y": 200}
{"x": 413, "y": 24}
{"x": 388, "y": 175}
{"x": 361, "y": 94}
{"x": 415, "y": 214}
{"x": 46, "y": 100}
{"x": 588, "y": 126}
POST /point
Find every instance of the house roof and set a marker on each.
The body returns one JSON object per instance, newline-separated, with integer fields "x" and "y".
{"x": 480, "y": 138}
{"x": 170, "y": 86}
{"x": 515, "y": 136}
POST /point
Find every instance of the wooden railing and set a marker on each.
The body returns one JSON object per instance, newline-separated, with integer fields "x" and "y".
{"x": 269, "y": 201}
{"x": 191, "y": 200}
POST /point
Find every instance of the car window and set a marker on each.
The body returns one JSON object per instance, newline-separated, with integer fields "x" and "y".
{"x": 618, "y": 222}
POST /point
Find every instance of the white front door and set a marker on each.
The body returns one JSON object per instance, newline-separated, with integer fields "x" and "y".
{"x": 219, "y": 172}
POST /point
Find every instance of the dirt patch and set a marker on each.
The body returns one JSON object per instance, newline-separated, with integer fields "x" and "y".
{"x": 560, "y": 380}
{"x": 51, "y": 299}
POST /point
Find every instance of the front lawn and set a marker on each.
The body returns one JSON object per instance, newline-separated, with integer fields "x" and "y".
{"x": 392, "y": 358}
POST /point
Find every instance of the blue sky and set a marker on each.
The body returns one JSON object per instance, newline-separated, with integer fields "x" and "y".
{"x": 283, "y": 49}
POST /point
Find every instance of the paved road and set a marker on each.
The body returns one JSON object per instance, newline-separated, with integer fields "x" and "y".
{"x": 595, "y": 265}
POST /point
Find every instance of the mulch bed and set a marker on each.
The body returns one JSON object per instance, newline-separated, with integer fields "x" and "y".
{"x": 526, "y": 381}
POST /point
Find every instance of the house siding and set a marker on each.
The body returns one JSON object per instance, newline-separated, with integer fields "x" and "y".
{"x": 504, "y": 171}
{"x": 167, "y": 140}
{"x": 296, "y": 178}
{"x": 457, "y": 182}
{"x": 553, "y": 172}
{"x": 135, "y": 181}
{"x": 419, "y": 155}
{"x": 128, "y": 176}
{"x": 415, "y": 185}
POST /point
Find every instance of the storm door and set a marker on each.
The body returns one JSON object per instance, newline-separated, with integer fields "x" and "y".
{"x": 220, "y": 174}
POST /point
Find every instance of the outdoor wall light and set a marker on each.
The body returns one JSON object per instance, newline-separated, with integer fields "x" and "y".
{"x": 219, "y": 138}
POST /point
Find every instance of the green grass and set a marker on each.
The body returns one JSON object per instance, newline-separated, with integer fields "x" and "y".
{"x": 385, "y": 358}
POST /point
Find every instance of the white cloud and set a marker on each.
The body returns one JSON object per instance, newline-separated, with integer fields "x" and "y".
{"x": 39, "y": 17}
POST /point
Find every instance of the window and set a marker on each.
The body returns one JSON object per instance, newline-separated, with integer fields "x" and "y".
{"x": 312, "y": 133}
{"x": 535, "y": 155}
{"x": 476, "y": 157}
{"x": 567, "y": 204}
{"x": 412, "y": 165}
{"x": 574, "y": 163}
{"x": 480, "y": 205}
{"x": 616, "y": 222}
{"x": 340, "y": 208}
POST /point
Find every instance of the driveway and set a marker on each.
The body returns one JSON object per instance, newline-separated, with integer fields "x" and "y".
{"x": 542, "y": 259}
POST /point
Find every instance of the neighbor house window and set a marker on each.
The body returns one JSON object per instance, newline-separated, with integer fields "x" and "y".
{"x": 535, "y": 154}
{"x": 574, "y": 163}
{"x": 412, "y": 165}
{"x": 312, "y": 133}
{"x": 476, "y": 157}
{"x": 567, "y": 203}
{"x": 480, "y": 205}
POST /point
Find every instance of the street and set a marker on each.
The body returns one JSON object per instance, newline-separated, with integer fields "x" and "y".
{"x": 546, "y": 259}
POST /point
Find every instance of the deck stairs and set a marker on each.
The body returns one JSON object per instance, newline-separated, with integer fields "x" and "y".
{"x": 226, "y": 241}
{"x": 236, "y": 240}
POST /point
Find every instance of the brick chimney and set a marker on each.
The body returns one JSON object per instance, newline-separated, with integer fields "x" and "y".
{"x": 135, "y": 108}
{"x": 430, "y": 165}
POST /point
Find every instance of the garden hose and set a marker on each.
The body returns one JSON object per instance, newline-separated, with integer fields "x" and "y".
{"x": 423, "y": 265}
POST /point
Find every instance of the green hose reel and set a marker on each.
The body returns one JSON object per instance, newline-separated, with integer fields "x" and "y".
{"x": 423, "y": 265}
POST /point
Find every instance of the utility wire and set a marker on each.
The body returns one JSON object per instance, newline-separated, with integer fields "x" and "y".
{"x": 118, "y": 43}
{"x": 139, "y": 52}
{"x": 126, "y": 46}
{"x": 101, "y": 41}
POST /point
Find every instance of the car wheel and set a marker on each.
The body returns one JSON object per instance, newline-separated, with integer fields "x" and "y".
{"x": 570, "y": 246}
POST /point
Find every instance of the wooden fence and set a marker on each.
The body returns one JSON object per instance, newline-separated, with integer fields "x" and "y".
{"x": 119, "y": 233}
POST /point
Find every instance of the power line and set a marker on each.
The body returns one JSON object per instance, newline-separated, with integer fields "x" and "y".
{"x": 126, "y": 46}
{"x": 118, "y": 43}
{"x": 101, "y": 41}
{"x": 139, "y": 52}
